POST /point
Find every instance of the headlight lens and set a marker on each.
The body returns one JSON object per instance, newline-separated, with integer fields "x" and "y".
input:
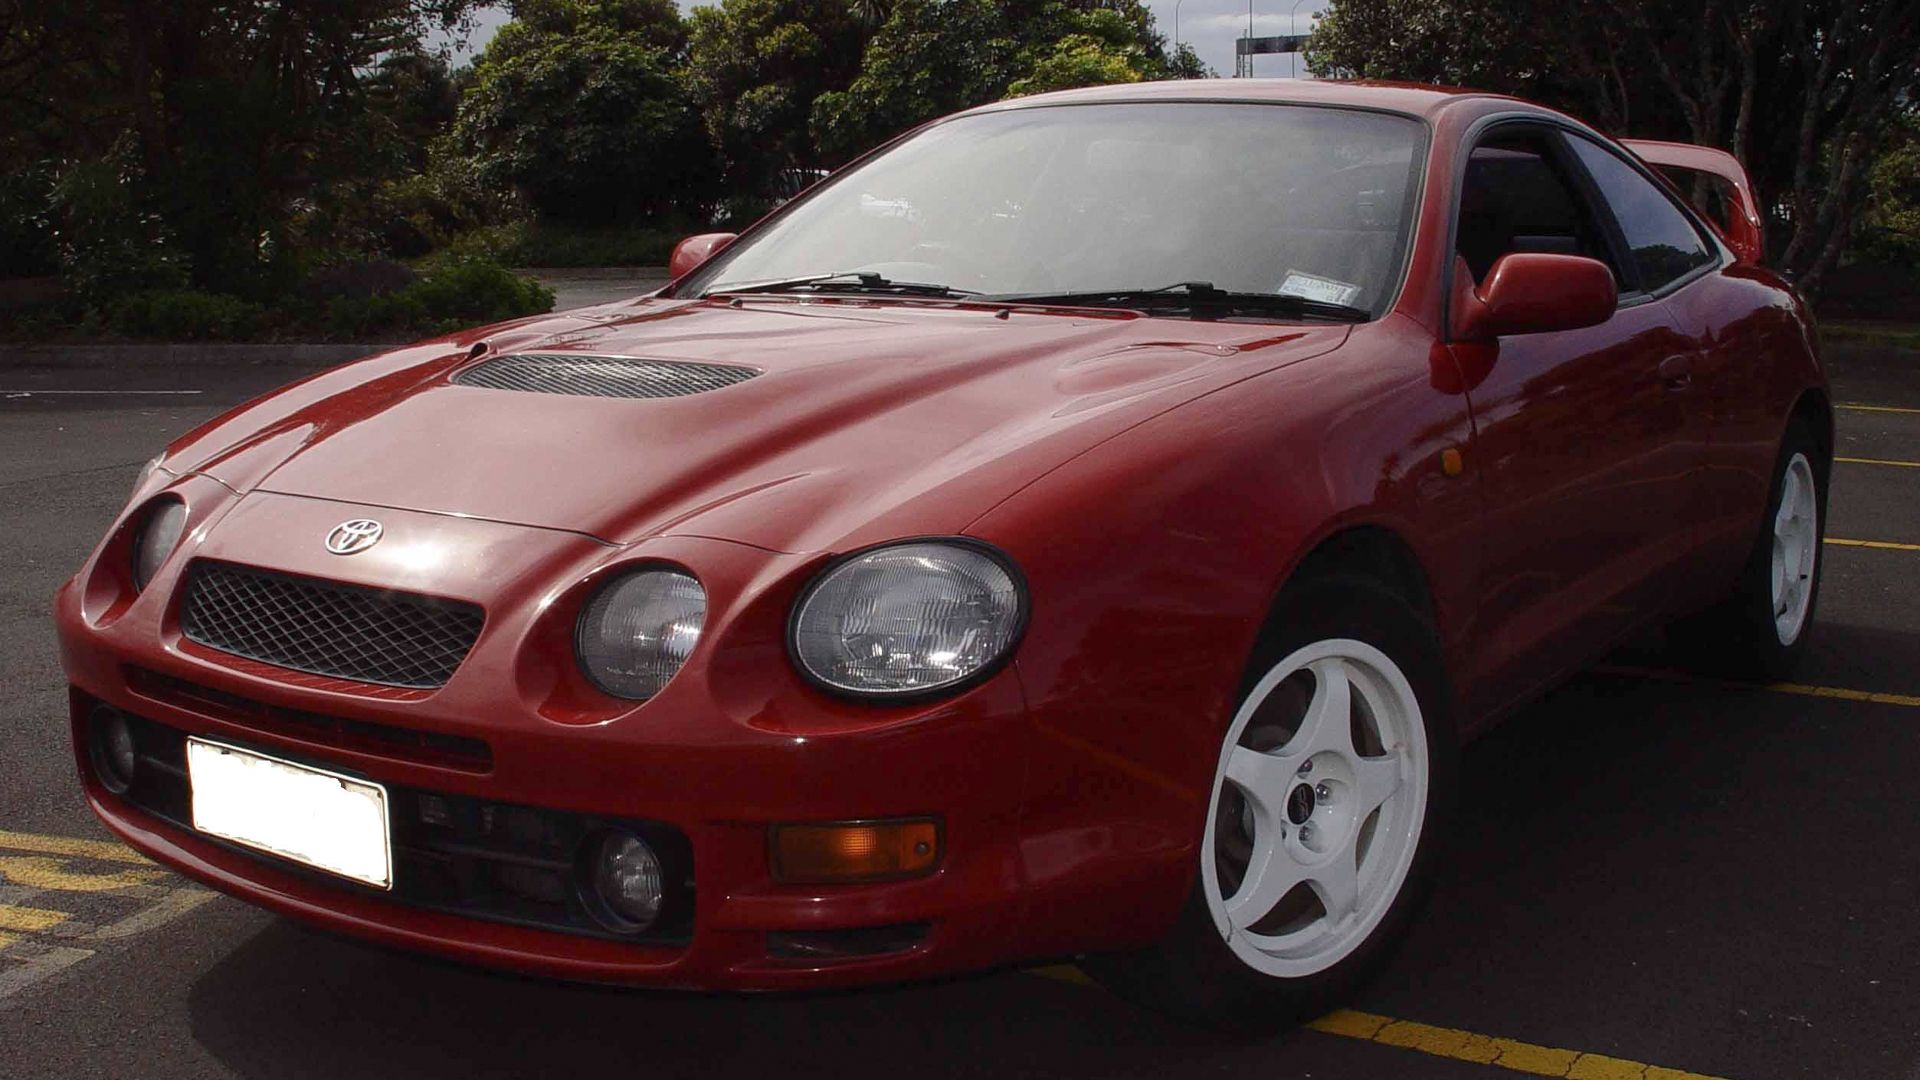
{"x": 638, "y": 630}
{"x": 159, "y": 534}
{"x": 908, "y": 618}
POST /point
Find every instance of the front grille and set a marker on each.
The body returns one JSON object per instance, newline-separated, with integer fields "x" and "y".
{"x": 327, "y": 628}
{"x": 601, "y": 376}
{"x": 454, "y": 853}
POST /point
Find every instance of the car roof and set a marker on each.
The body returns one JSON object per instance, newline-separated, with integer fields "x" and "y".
{"x": 1413, "y": 99}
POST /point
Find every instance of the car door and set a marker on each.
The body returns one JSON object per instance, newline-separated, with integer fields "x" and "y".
{"x": 1585, "y": 441}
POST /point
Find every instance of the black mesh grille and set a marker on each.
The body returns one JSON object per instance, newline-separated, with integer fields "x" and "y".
{"x": 326, "y": 628}
{"x": 601, "y": 376}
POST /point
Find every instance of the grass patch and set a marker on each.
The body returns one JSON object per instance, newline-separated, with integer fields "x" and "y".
{"x": 1891, "y": 335}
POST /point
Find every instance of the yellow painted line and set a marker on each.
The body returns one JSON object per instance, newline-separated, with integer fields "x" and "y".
{"x": 39, "y": 872}
{"x": 1837, "y": 693}
{"x": 28, "y": 919}
{"x": 1066, "y": 973}
{"x": 1878, "y": 461}
{"x": 67, "y": 845}
{"x": 1858, "y": 407}
{"x": 1509, "y": 1054}
{"x": 1881, "y": 545}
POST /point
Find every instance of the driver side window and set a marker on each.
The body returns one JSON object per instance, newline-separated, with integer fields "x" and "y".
{"x": 1515, "y": 198}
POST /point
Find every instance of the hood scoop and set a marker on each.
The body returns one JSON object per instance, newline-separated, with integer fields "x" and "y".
{"x": 601, "y": 376}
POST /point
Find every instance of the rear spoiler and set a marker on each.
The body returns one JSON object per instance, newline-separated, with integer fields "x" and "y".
{"x": 1741, "y": 225}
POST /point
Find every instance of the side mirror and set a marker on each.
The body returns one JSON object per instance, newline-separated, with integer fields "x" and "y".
{"x": 688, "y": 254}
{"x": 1531, "y": 293}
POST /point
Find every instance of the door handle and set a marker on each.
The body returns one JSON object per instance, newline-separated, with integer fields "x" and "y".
{"x": 1677, "y": 372}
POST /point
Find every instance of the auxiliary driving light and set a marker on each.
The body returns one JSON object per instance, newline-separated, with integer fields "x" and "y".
{"x": 110, "y": 740}
{"x": 627, "y": 881}
{"x": 855, "y": 851}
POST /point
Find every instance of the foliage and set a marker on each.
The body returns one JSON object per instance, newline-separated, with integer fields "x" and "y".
{"x": 755, "y": 68}
{"x": 582, "y": 113}
{"x": 26, "y": 240}
{"x": 457, "y": 292}
{"x": 1890, "y": 226}
{"x": 538, "y": 243}
{"x": 933, "y": 57}
{"x": 184, "y": 315}
{"x": 232, "y": 122}
{"x": 1802, "y": 91}
{"x": 106, "y": 241}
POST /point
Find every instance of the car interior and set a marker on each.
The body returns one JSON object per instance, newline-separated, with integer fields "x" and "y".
{"x": 1516, "y": 199}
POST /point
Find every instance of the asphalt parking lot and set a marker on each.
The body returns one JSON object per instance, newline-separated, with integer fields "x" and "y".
{"x": 1658, "y": 874}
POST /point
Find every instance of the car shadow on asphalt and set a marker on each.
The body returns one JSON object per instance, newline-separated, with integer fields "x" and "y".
{"x": 291, "y": 1002}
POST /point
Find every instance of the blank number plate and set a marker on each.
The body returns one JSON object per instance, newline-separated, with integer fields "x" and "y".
{"x": 325, "y": 820}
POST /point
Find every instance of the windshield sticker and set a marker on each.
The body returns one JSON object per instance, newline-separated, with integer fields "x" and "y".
{"x": 1326, "y": 290}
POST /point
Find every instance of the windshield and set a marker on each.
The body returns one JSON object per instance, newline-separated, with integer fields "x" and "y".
{"x": 1055, "y": 201}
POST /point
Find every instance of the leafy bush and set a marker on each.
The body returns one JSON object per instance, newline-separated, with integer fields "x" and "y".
{"x": 26, "y": 239}
{"x": 107, "y": 241}
{"x": 532, "y": 243}
{"x": 184, "y": 315}
{"x": 455, "y": 292}
{"x": 356, "y": 278}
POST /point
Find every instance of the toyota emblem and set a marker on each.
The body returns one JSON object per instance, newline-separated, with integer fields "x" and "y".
{"x": 353, "y": 537}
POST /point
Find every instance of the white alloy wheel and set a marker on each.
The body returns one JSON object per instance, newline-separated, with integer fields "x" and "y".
{"x": 1318, "y": 802}
{"x": 1796, "y": 547}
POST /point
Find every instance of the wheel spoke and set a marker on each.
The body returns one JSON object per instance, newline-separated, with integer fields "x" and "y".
{"x": 1270, "y": 876}
{"x": 1338, "y": 885}
{"x": 1262, "y": 777}
{"x": 1328, "y": 724}
{"x": 1374, "y": 781}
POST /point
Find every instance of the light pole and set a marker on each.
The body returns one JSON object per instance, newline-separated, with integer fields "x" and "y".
{"x": 1176, "y": 24}
{"x": 1294, "y": 60}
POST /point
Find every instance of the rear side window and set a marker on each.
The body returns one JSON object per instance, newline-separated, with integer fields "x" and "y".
{"x": 1662, "y": 242}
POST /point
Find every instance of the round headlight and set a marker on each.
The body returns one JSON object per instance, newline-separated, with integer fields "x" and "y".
{"x": 159, "y": 534}
{"x": 908, "y": 618}
{"x": 638, "y": 630}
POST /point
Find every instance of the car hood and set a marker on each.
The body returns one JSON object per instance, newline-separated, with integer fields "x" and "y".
{"x": 868, "y": 420}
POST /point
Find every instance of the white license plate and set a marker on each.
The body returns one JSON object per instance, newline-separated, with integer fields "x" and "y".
{"x": 332, "y": 822}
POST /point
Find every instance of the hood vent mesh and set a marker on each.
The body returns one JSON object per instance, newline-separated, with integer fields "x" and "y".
{"x": 583, "y": 375}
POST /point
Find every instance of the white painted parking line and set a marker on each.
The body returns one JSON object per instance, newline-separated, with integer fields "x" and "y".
{"x": 97, "y": 393}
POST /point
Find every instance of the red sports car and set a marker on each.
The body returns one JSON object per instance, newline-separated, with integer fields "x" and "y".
{"x": 1087, "y": 526}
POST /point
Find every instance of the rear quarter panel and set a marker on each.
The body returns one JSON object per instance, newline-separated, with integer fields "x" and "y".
{"x": 1759, "y": 355}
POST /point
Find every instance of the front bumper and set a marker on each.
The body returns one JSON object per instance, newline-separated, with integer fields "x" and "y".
{"x": 735, "y": 744}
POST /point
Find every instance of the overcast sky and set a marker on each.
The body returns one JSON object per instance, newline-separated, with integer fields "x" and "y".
{"x": 1210, "y": 26}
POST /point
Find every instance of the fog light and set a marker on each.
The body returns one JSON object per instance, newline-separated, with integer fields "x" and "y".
{"x": 627, "y": 881}
{"x": 112, "y": 748}
{"x": 855, "y": 851}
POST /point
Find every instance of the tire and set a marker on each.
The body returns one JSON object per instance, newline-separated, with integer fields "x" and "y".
{"x": 1254, "y": 952}
{"x": 1761, "y": 629}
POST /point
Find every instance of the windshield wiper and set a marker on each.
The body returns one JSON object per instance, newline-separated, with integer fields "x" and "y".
{"x": 1192, "y": 296}
{"x": 845, "y": 281}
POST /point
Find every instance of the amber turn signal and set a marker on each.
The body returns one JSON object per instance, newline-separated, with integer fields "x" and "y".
{"x": 840, "y": 854}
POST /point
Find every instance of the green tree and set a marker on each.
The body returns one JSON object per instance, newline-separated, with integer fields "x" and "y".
{"x": 1804, "y": 92}
{"x": 227, "y": 123}
{"x": 755, "y": 68}
{"x": 933, "y": 57}
{"x": 582, "y": 112}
